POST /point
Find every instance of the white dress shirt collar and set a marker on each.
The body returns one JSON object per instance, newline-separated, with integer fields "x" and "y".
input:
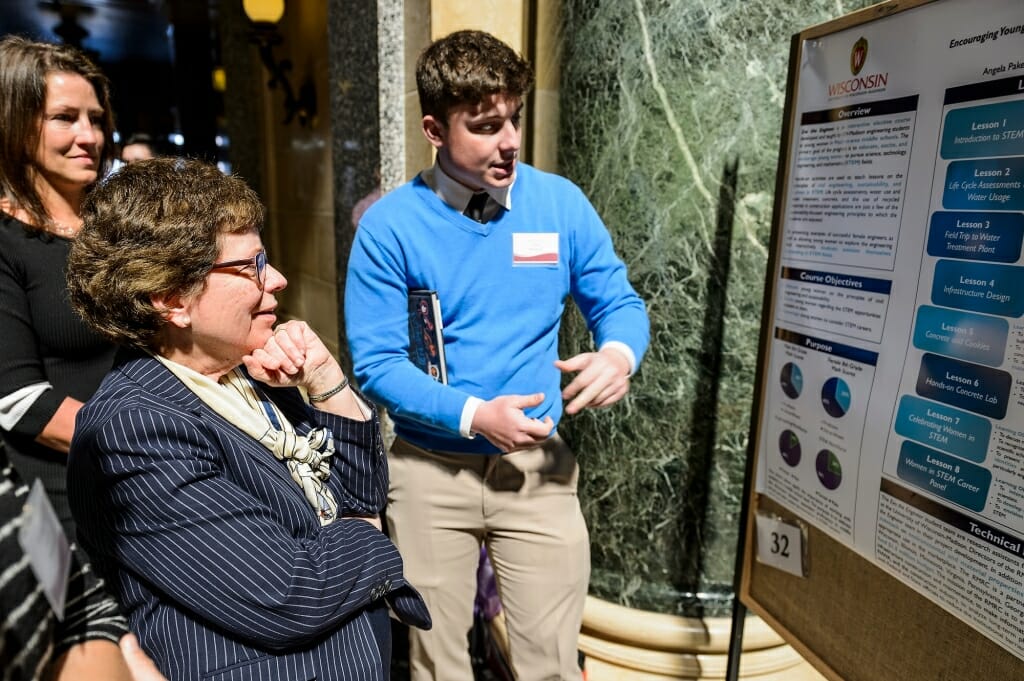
{"x": 457, "y": 195}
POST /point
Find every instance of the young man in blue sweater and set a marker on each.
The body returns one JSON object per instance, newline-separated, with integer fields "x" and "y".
{"x": 479, "y": 459}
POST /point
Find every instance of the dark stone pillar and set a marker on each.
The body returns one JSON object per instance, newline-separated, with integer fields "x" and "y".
{"x": 352, "y": 46}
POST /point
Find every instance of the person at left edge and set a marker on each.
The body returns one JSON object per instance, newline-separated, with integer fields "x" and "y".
{"x": 55, "y": 125}
{"x": 55, "y": 122}
{"x": 225, "y": 478}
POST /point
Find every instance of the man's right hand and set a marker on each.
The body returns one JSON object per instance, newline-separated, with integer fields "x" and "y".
{"x": 505, "y": 424}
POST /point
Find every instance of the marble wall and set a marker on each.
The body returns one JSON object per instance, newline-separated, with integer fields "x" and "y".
{"x": 671, "y": 112}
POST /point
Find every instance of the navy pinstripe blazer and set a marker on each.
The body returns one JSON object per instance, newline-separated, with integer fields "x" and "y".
{"x": 220, "y": 563}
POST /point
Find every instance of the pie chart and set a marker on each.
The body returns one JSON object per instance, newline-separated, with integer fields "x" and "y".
{"x": 789, "y": 447}
{"x": 835, "y": 397}
{"x": 792, "y": 380}
{"x": 830, "y": 473}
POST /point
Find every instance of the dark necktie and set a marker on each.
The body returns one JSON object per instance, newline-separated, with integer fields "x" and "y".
{"x": 475, "y": 209}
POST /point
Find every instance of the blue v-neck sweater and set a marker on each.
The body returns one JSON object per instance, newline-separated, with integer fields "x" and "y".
{"x": 501, "y": 313}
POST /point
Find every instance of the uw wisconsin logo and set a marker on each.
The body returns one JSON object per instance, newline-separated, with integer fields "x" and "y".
{"x": 858, "y": 55}
{"x": 859, "y": 83}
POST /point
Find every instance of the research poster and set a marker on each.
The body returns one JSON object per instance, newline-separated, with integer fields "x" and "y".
{"x": 893, "y": 412}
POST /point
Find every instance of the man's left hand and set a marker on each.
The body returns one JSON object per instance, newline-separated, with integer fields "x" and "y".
{"x": 602, "y": 379}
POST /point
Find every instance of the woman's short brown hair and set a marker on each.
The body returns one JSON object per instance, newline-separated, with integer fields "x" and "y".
{"x": 152, "y": 229}
{"x": 24, "y": 66}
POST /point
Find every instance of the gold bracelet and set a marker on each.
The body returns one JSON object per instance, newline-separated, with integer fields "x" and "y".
{"x": 330, "y": 393}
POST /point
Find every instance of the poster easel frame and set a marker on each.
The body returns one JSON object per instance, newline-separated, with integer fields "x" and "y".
{"x": 849, "y": 618}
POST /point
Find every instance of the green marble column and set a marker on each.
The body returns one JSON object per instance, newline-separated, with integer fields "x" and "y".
{"x": 661, "y": 100}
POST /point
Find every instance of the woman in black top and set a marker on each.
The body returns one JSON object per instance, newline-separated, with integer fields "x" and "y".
{"x": 55, "y": 126}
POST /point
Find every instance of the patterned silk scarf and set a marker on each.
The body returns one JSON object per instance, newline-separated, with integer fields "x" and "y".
{"x": 238, "y": 399}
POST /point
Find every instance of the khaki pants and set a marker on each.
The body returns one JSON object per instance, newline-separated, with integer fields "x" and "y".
{"x": 524, "y": 507}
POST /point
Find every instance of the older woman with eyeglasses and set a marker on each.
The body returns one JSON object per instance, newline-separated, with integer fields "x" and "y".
{"x": 225, "y": 477}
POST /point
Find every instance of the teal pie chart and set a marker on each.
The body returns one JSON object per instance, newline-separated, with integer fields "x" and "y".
{"x": 835, "y": 397}
{"x": 792, "y": 380}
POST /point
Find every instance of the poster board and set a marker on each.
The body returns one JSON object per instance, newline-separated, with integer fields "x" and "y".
{"x": 884, "y": 529}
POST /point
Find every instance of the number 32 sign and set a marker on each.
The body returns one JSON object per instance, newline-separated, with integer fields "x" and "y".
{"x": 780, "y": 544}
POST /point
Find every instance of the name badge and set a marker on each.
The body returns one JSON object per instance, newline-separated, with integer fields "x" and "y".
{"x": 532, "y": 249}
{"x": 43, "y": 541}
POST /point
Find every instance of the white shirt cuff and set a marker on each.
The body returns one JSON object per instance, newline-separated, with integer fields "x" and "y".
{"x": 626, "y": 351}
{"x": 14, "y": 406}
{"x": 468, "y": 412}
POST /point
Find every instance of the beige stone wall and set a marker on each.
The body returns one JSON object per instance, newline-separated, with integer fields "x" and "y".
{"x": 502, "y": 18}
{"x": 299, "y": 193}
{"x": 418, "y": 23}
{"x": 547, "y": 65}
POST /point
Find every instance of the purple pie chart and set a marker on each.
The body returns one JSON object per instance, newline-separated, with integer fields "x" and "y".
{"x": 789, "y": 447}
{"x": 830, "y": 472}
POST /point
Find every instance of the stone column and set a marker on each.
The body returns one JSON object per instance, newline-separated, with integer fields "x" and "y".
{"x": 367, "y": 121}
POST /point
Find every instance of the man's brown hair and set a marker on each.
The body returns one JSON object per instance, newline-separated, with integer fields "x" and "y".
{"x": 466, "y": 67}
